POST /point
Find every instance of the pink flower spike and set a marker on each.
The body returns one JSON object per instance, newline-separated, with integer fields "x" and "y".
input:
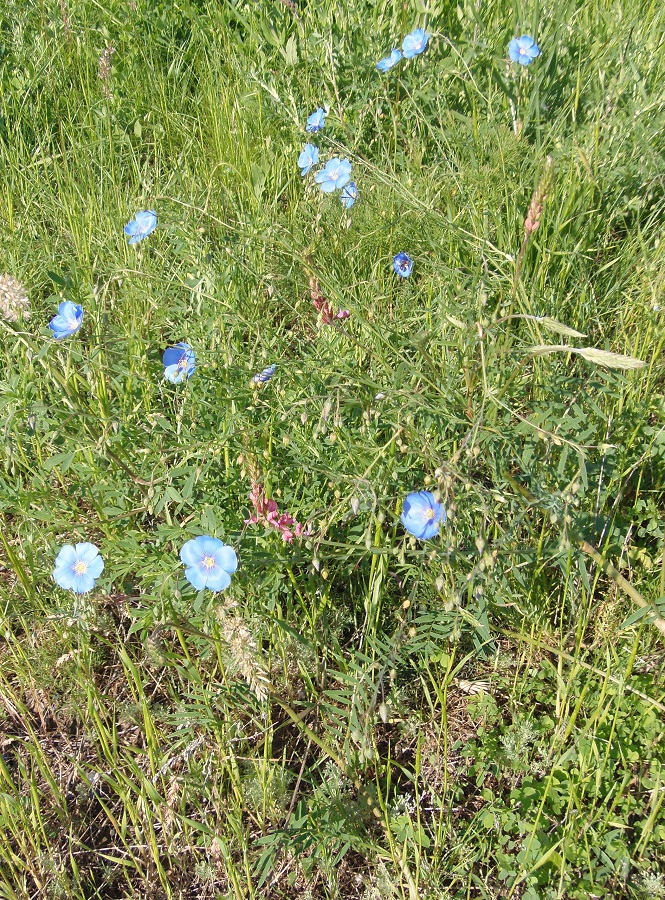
{"x": 267, "y": 514}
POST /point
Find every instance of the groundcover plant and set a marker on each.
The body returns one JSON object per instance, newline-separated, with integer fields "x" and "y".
{"x": 332, "y": 553}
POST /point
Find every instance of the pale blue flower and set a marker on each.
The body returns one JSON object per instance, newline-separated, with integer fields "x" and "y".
{"x": 179, "y": 363}
{"x": 389, "y": 61}
{"x": 349, "y": 194}
{"x": 265, "y": 375}
{"x": 308, "y": 158}
{"x": 143, "y": 224}
{"x": 68, "y": 321}
{"x": 414, "y": 43}
{"x": 523, "y": 50}
{"x": 336, "y": 174}
{"x": 77, "y": 568}
{"x": 403, "y": 265}
{"x": 422, "y": 515}
{"x": 209, "y": 563}
{"x": 316, "y": 120}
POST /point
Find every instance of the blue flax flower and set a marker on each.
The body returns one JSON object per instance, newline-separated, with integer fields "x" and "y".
{"x": 179, "y": 363}
{"x": 265, "y": 375}
{"x": 143, "y": 224}
{"x": 336, "y": 174}
{"x": 403, "y": 265}
{"x": 422, "y": 515}
{"x": 389, "y": 61}
{"x": 68, "y": 321}
{"x": 208, "y": 563}
{"x": 349, "y": 194}
{"x": 414, "y": 43}
{"x": 77, "y": 568}
{"x": 316, "y": 121}
{"x": 523, "y": 50}
{"x": 308, "y": 158}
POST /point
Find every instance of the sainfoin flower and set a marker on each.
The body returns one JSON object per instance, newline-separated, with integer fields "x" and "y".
{"x": 316, "y": 120}
{"x": 308, "y": 158}
{"x": 414, "y": 43}
{"x": 523, "y": 50}
{"x": 179, "y": 362}
{"x": 266, "y": 513}
{"x": 143, "y": 224}
{"x": 349, "y": 194}
{"x": 335, "y": 174}
{"x": 265, "y": 375}
{"x": 402, "y": 264}
{"x": 323, "y": 306}
{"x": 77, "y": 568}
{"x": 389, "y": 61}
{"x": 68, "y": 320}
{"x": 422, "y": 515}
{"x": 209, "y": 563}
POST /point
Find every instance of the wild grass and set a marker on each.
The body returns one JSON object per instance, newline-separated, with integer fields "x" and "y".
{"x": 360, "y": 715}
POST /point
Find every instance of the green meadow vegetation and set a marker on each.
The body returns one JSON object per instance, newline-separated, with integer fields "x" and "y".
{"x": 361, "y": 714}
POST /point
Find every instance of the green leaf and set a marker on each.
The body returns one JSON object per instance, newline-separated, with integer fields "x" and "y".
{"x": 61, "y": 461}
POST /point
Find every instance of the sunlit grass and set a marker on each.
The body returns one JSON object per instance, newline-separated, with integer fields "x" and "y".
{"x": 360, "y": 714}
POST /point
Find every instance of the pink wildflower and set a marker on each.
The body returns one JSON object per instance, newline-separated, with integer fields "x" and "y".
{"x": 323, "y": 306}
{"x": 266, "y": 513}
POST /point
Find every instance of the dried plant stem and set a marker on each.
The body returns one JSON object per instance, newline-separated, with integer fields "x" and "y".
{"x": 623, "y": 583}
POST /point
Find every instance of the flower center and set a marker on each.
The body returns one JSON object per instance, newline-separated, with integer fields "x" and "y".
{"x": 80, "y": 567}
{"x": 208, "y": 562}
{"x": 430, "y": 513}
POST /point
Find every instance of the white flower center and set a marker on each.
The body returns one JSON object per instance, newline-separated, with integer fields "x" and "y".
{"x": 80, "y": 567}
{"x": 208, "y": 562}
{"x": 429, "y": 514}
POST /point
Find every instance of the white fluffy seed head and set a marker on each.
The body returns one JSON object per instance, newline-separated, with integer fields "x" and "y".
{"x": 14, "y": 303}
